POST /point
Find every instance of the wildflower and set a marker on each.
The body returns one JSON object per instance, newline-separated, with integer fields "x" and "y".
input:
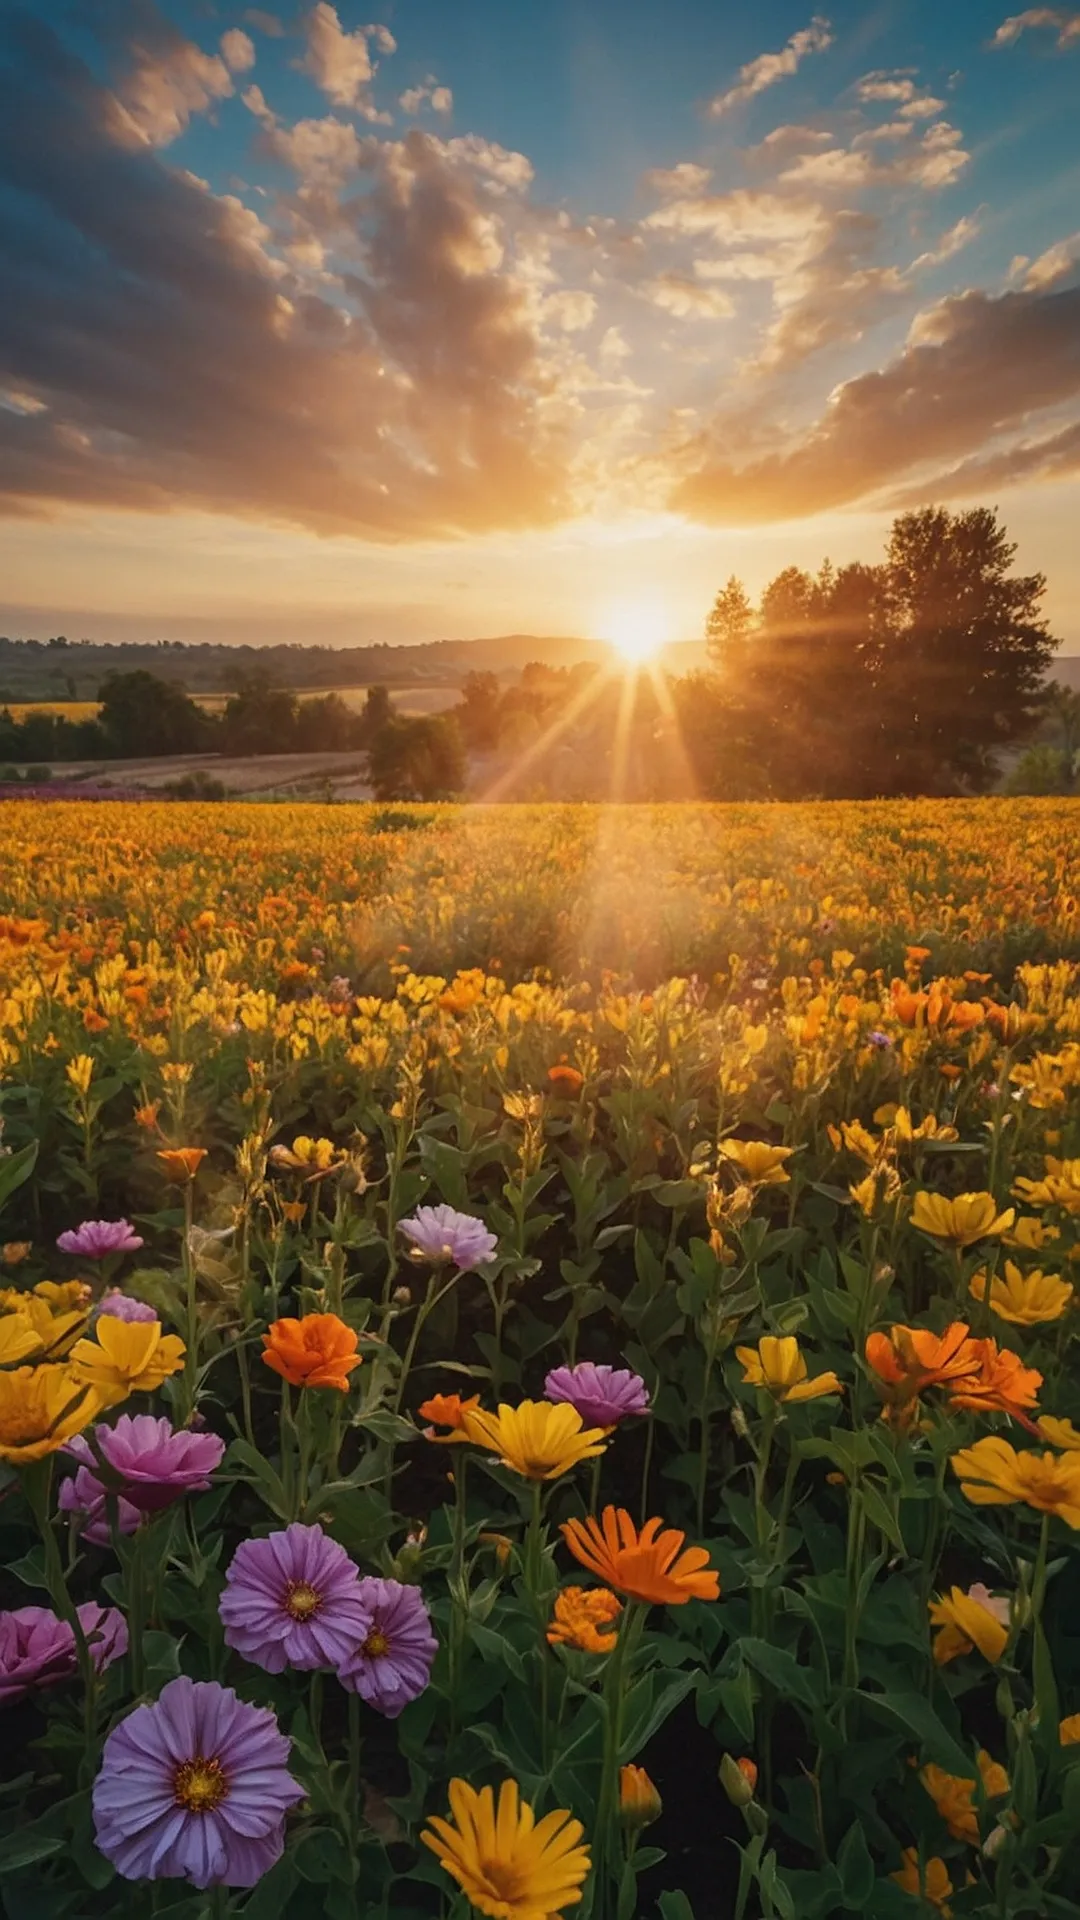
{"x": 777, "y": 1366}
{"x": 565, "y": 1080}
{"x": 318, "y": 1350}
{"x": 1069, "y": 1730}
{"x": 953, "y": 1796}
{"x": 97, "y": 1239}
{"x": 40, "y": 1408}
{"x": 56, "y": 1328}
{"x": 1060, "y": 1433}
{"x": 639, "y": 1802}
{"x": 37, "y": 1649}
{"x": 80, "y": 1072}
{"x": 312, "y": 1157}
{"x": 602, "y": 1395}
{"x": 181, "y": 1164}
{"x": 447, "y": 1410}
{"x": 970, "y": 1217}
{"x": 652, "y": 1566}
{"x": 969, "y": 1620}
{"x": 1031, "y": 1233}
{"x": 875, "y": 1038}
{"x": 123, "y": 1306}
{"x": 585, "y": 1618}
{"x": 194, "y": 1787}
{"x": 146, "y": 1116}
{"x": 993, "y": 1474}
{"x": 1060, "y": 1186}
{"x": 908, "y": 1360}
{"x": 63, "y": 1297}
{"x": 391, "y": 1663}
{"x": 535, "y": 1439}
{"x": 83, "y": 1497}
{"x": 157, "y": 1463}
{"x": 508, "y": 1864}
{"x": 880, "y": 1188}
{"x": 928, "y": 1880}
{"x": 762, "y": 1164}
{"x": 19, "y": 1338}
{"x": 293, "y": 1599}
{"x": 442, "y": 1234}
{"x": 1003, "y": 1384}
{"x": 126, "y": 1357}
{"x": 14, "y": 1252}
{"x": 738, "y": 1779}
{"x": 1024, "y": 1299}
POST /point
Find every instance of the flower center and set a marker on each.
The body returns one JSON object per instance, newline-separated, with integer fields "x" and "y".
{"x": 506, "y": 1880}
{"x": 376, "y": 1644}
{"x": 301, "y": 1600}
{"x": 200, "y": 1785}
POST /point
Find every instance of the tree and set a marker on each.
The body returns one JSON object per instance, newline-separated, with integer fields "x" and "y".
{"x": 730, "y": 622}
{"x": 143, "y": 715}
{"x": 420, "y": 758}
{"x": 1041, "y": 769}
{"x": 479, "y": 713}
{"x": 260, "y": 717}
{"x": 377, "y": 711}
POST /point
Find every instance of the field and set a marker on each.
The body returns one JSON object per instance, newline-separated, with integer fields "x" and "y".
{"x": 775, "y": 1111}
{"x": 407, "y": 699}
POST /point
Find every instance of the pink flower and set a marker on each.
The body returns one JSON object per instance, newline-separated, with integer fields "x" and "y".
{"x": 156, "y": 1463}
{"x": 96, "y": 1239}
{"x": 121, "y": 1306}
{"x": 37, "y": 1649}
{"x": 293, "y": 1599}
{"x": 441, "y": 1233}
{"x": 602, "y": 1395}
{"x": 391, "y": 1665}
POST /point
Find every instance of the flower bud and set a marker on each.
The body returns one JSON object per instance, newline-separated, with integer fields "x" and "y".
{"x": 736, "y": 1782}
{"x": 639, "y": 1802}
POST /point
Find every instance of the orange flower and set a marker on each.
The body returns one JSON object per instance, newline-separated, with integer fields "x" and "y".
{"x": 909, "y": 1359}
{"x": 181, "y": 1163}
{"x": 585, "y": 1618}
{"x": 1002, "y": 1385}
{"x": 447, "y": 1410}
{"x": 147, "y": 1116}
{"x": 317, "y": 1351}
{"x": 651, "y": 1566}
{"x": 565, "y": 1079}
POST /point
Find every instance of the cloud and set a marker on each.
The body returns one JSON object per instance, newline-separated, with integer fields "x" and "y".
{"x": 956, "y": 405}
{"x": 267, "y": 23}
{"x": 768, "y": 68}
{"x": 237, "y": 50}
{"x": 170, "y": 79}
{"x": 687, "y": 299}
{"x": 686, "y": 178}
{"x": 1053, "y": 265}
{"x": 430, "y": 94}
{"x": 340, "y": 63}
{"x": 1060, "y": 20}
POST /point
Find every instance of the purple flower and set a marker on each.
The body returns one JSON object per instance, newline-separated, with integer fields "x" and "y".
{"x": 293, "y": 1600}
{"x": 878, "y": 1039}
{"x": 392, "y": 1663}
{"x": 441, "y": 1233}
{"x": 602, "y": 1395}
{"x": 96, "y": 1239}
{"x": 83, "y": 1497}
{"x": 195, "y": 1787}
{"x": 37, "y": 1649}
{"x": 121, "y": 1306}
{"x": 156, "y": 1462}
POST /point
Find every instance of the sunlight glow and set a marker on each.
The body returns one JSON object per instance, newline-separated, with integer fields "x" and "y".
{"x": 637, "y": 629}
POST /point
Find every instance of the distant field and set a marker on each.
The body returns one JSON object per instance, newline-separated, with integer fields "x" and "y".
{"x": 405, "y": 699}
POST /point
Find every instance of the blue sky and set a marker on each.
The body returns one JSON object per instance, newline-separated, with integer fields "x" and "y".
{"x": 476, "y": 317}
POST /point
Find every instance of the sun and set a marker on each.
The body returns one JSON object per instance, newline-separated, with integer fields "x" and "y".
{"x": 637, "y": 629}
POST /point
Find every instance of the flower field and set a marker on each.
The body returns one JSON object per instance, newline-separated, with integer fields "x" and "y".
{"x": 537, "y": 1361}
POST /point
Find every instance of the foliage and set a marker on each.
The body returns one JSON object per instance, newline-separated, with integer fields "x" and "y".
{"x": 417, "y": 758}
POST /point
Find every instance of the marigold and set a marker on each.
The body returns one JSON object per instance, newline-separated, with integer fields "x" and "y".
{"x": 508, "y": 1864}
{"x": 639, "y": 1802}
{"x": 994, "y": 1474}
{"x": 126, "y": 1356}
{"x": 585, "y": 1618}
{"x": 954, "y": 1796}
{"x": 447, "y": 1410}
{"x": 928, "y": 1880}
{"x": 777, "y": 1366}
{"x": 762, "y": 1163}
{"x": 41, "y": 1408}
{"x": 970, "y": 1217}
{"x": 318, "y": 1350}
{"x": 969, "y": 1620}
{"x": 652, "y": 1566}
{"x": 1024, "y": 1299}
{"x": 1002, "y": 1385}
{"x": 535, "y": 1438}
{"x": 908, "y": 1360}
{"x": 181, "y": 1164}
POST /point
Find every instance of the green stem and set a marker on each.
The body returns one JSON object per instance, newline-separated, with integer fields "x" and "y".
{"x": 646, "y": 1465}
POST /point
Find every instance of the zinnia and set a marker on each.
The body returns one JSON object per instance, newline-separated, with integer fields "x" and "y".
{"x": 156, "y": 1463}
{"x": 535, "y": 1439}
{"x": 652, "y": 1566}
{"x": 508, "y": 1864}
{"x": 37, "y": 1649}
{"x": 777, "y": 1366}
{"x": 294, "y": 1599}
{"x": 40, "y": 1408}
{"x": 391, "y": 1665}
{"x": 126, "y": 1356}
{"x": 121, "y": 1306}
{"x": 194, "y": 1787}
{"x": 602, "y": 1395}
{"x": 316, "y": 1351}
{"x": 970, "y": 1217}
{"x": 585, "y": 1618}
{"x": 969, "y": 1620}
{"x": 96, "y": 1239}
{"x": 442, "y": 1234}
{"x": 993, "y": 1474}
{"x": 1026, "y": 1300}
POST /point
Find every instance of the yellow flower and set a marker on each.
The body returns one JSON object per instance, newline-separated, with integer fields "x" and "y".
{"x": 639, "y": 1802}
{"x": 1031, "y": 1233}
{"x": 762, "y": 1164}
{"x": 1060, "y": 1433}
{"x": 929, "y": 1128}
{"x": 80, "y": 1072}
{"x": 40, "y": 1408}
{"x": 931, "y": 1882}
{"x": 128, "y": 1356}
{"x": 1026, "y": 1299}
{"x": 970, "y": 1217}
{"x": 777, "y": 1366}
{"x": 56, "y": 1331}
{"x": 19, "y": 1338}
{"x": 63, "y": 1296}
{"x": 585, "y": 1618}
{"x": 508, "y": 1864}
{"x": 993, "y": 1474}
{"x": 879, "y": 1189}
{"x": 969, "y": 1620}
{"x": 14, "y": 1252}
{"x": 313, "y": 1157}
{"x": 954, "y": 1797}
{"x": 535, "y": 1438}
{"x": 1060, "y": 1186}
{"x": 1069, "y": 1731}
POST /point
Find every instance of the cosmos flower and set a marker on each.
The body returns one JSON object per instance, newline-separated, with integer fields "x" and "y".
{"x": 294, "y": 1599}
{"x": 121, "y": 1306}
{"x": 126, "y": 1356}
{"x": 508, "y": 1864}
{"x": 585, "y": 1618}
{"x": 194, "y": 1787}
{"x": 602, "y": 1395}
{"x": 969, "y": 1620}
{"x": 157, "y": 1463}
{"x": 40, "y": 1408}
{"x": 1024, "y": 1299}
{"x": 318, "y": 1350}
{"x": 391, "y": 1665}
{"x": 97, "y": 1239}
{"x": 535, "y": 1439}
{"x": 653, "y": 1566}
{"x": 777, "y": 1366}
{"x": 37, "y": 1649}
{"x": 442, "y": 1234}
{"x": 962, "y": 1221}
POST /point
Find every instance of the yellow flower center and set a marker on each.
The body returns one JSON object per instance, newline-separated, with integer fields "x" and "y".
{"x": 301, "y": 1600}
{"x": 200, "y": 1785}
{"x": 376, "y": 1644}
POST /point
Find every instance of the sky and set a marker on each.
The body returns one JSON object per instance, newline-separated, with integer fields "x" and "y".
{"x": 522, "y": 315}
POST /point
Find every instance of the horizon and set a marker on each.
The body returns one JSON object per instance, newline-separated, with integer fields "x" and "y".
{"x": 523, "y": 321}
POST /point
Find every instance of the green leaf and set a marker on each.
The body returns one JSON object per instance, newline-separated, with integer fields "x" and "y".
{"x": 877, "y": 1510}
{"x": 856, "y": 1869}
{"x": 30, "y": 1569}
{"x": 15, "y": 1168}
{"x": 648, "y": 1705}
{"x": 782, "y": 1671}
{"x": 387, "y": 1426}
{"x": 322, "y": 1857}
{"x": 675, "y": 1906}
{"x": 910, "y": 1710}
